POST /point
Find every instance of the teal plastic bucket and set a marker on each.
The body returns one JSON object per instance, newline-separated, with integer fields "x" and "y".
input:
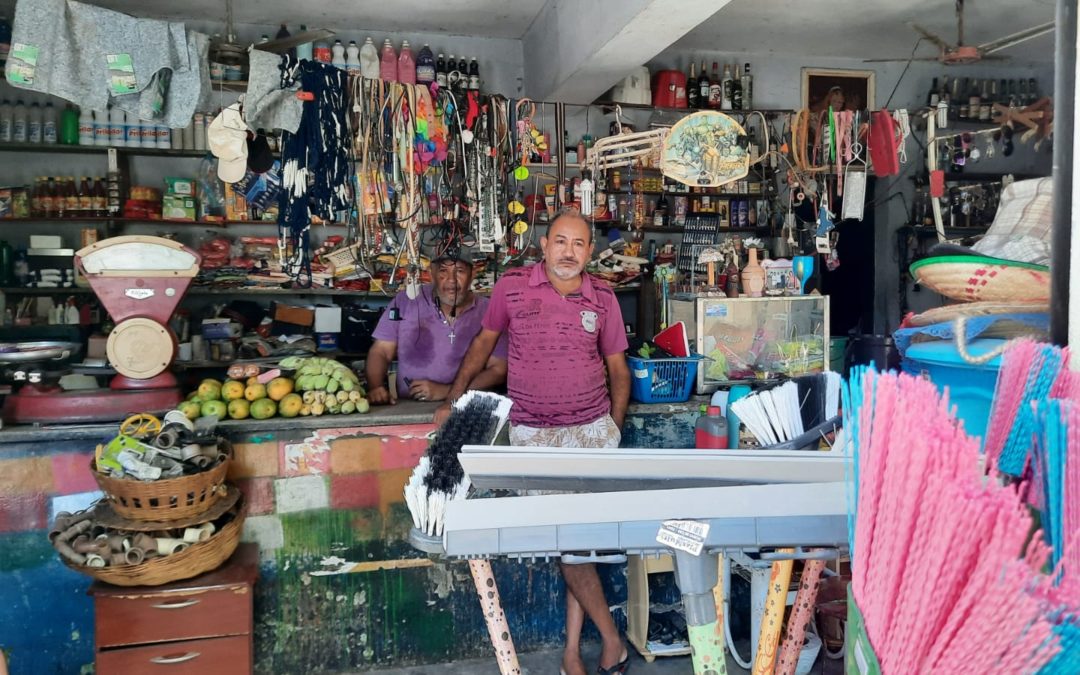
{"x": 971, "y": 386}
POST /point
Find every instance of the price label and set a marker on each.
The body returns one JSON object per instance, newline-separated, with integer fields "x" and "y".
{"x": 683, "y": 535}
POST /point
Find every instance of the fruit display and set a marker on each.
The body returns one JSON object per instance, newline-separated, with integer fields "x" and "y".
{"x": 318, "y": 387}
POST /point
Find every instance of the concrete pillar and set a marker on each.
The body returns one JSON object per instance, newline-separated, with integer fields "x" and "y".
{"x": 574, "y": 51}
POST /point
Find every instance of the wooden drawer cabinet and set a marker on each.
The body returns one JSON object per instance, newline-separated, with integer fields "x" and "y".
{"x": 201, "y": 625}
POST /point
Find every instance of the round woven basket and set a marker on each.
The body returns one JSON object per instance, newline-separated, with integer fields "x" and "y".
{"x": 976, "y": 278}
{"x": 168, "y": 499}
{"x": 191, "y": 562}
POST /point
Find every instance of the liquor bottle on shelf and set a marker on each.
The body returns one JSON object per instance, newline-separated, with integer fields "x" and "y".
{"x": 736, "y": 91}
{"x": 704, "y": 88}
{"x": 691, "y": 88}
{"x": 99, "y": 198}
{"x": 425, "y": 66}
{"x": 474, "y": 75}
{"x": 954, "y": 98}
{"x": 932, "y": 97}
{"x": 974, "y": 100}
{"x": 440, "y": 71}
{"x": 660, "y": 213}
{"x": 747, "y": 84}
{"x": 86, "y": 201}
{"x": 723, "y": 88}
{"x": 717, "y": 87}
{"x": 985, "y": 102}
{"x": 35, "y": 198}
{"x": 48, "y": 198}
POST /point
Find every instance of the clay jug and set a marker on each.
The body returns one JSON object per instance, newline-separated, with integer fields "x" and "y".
{"x": 753, "y": 276}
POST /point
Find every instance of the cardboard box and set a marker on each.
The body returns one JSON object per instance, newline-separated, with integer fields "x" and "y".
{"x": 236, "y": 206}
{"x": 177, "y": 208}
{"x": 180, "y": 187}
{"x": 328, "y": 319}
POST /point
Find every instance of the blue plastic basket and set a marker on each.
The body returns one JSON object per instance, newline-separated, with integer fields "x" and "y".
{"x": 662, "y": 380}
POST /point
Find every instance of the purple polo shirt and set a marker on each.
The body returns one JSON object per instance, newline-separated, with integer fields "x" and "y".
{"x": 424, "y": 348}
{"x": 556, "y": 373}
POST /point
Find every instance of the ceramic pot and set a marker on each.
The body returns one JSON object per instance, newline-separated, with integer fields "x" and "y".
{"x": 753, "y": 276}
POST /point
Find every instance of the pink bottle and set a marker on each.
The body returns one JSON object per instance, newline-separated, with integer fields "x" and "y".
{"x": 388, "y": 65}
{"x": 406, "y": 65}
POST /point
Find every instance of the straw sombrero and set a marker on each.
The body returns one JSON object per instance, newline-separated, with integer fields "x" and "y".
{"x": 970, "y": 278}
{"x": 975, "y": 309}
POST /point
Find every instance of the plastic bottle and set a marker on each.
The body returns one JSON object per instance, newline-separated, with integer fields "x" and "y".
{"x": 440, "y": 71}
{"x": 369, "y": 60}
{"x": 69, "y": 125}
{"x": 117, "y": 127}
{"x": 101, "y": 127}
{"x": 406, "y": 67}
{"x": 7, "y": 264}
{"x": 86, "y": 201}
{"x": 71, "y": 198}
{"x": 388, "y": 67}
{"x": 305, "y": 50}
{"x": 337, "y": 58}
{"x": 323, "y": 53}
{"x": 86, "y": 127}
{"x": 352, "y": 57}
{"x": 6, "y": 121}
{"x": 19, "y": 122}
{"x": 710, "y": 431}
{"x": 33, "y": 123}
{"x": 132, "y": 129}
{"x": 425, "y": 66}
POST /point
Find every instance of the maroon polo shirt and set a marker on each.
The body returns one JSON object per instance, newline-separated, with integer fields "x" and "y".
{"x": 556, "y": 373}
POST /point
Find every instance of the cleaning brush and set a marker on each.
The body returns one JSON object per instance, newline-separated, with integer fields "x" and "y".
{"x": 475, "y": 419}
{"x": 786, "y": 412}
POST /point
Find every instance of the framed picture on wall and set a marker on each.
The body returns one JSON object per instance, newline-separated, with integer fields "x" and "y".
{"x": 842, "y": 89}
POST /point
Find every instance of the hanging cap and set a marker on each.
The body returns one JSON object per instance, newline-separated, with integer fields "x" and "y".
{"x": 227, "y": 139}
{"x": 259, "y": 157}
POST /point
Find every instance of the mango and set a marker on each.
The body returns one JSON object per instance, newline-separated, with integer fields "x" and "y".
{"x": 255, "y": 392}
{"x": 290, "y": 405}
{"x": 279, "y": 388}
{"x": 214, "y": 409}
{"x": 263, "y": 408}
{"x": 239, "y": 408}
{"x": 232, "y": 390}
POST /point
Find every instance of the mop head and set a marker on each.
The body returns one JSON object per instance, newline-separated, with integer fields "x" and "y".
{"x": 475, "y": 419}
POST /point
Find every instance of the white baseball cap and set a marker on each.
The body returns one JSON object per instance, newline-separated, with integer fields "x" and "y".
{"x": 227, "y": 139}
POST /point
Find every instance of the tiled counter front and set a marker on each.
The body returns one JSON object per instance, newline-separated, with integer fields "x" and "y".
{"x": 341, "y": 589}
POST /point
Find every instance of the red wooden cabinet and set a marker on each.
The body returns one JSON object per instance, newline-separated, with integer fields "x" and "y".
{"x": 202, "y": 625}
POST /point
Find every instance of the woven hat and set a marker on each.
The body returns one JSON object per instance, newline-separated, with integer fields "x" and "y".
{"x": 975, "y": 309}
{"x": 973, "y": 278}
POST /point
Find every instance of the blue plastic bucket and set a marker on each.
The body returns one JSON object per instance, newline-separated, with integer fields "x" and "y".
{"x": 971, "y": 386}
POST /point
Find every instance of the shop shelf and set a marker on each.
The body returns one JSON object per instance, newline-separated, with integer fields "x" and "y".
{"x": 97, "y": 150}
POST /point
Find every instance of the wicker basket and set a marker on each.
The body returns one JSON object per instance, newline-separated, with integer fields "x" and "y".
{"x": 976, "y": 278}
{"x": 168, "y": 499}
{"x": 191, "y": 562}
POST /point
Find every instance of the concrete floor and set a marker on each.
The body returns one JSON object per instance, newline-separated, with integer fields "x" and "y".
{"x": 547, "y": 663}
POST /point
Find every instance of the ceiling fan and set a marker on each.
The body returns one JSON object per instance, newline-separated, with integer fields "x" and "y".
{"x": 961, "y": 53}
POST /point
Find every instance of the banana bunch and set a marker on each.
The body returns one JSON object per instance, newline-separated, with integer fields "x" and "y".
{"x": 327, "y": 386}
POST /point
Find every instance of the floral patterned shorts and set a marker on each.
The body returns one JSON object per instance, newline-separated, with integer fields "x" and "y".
{"x": 600, "y": 433}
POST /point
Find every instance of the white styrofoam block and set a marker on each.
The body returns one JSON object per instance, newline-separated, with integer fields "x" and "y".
{"x": 328, "y": 319}
{"x": 46, "y": 241}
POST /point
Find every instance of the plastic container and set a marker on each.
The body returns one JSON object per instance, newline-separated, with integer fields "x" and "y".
{"x": 305, "y": 50}
{"x": 711, "y": 431}
{"x": 425, "y": 66}
{"x": 734, "y": 423}
{"x": 662, "y": 380}
{"x": 971, "y": 386}
{"x": 406, "y": 65}
{"x": 369, "y": 60}
{"x": 388, "y": 63}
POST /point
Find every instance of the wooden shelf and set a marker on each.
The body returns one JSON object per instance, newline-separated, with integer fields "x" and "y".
{"x": 98, "y": 149}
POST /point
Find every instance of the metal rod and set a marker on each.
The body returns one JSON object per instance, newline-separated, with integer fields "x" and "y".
{"x": 1065, "y": 98}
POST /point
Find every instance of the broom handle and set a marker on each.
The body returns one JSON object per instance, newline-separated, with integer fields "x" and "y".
{"x": 772, "y": 621}
{"x": 498, "y": 629}
{"x": 801, "y": 615}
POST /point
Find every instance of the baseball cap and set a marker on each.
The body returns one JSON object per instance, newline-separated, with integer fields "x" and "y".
{"x": 227, "y": 139}
{"x": 454, "y": 254}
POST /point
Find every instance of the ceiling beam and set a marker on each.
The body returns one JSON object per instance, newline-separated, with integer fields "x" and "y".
{"x": 574, "y": 51}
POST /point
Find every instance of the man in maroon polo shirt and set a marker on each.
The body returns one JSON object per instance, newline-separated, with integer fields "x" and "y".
{"x": 567, "y": 344}
{"x": 429, "y": 335}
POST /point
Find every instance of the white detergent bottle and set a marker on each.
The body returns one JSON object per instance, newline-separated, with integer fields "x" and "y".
{"x": 352, "y": 57}
{"x": 338, "y": 58}
{"x": 19, "y": 122}
{"x": 117, "y": 127}
{"x": 49, "y": 124}
{"x": 33, "y": 124}
{"x": 369, "y": 60}
{"x": 5, "y": 121}
{"x": 101, "y": 127}
{"x": 131, "y": 131}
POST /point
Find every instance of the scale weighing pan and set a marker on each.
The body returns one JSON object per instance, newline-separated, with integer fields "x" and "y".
{"x": 34, "y": 352}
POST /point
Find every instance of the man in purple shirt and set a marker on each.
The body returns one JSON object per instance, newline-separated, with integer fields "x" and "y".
{"x": 430, "y": 334}
{"x": 565, "y": 330}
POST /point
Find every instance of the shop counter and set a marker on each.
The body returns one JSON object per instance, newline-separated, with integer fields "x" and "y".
{"x": 339, "y": 583}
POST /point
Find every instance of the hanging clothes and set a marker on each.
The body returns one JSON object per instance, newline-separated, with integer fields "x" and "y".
{"x": 315, "y": 160}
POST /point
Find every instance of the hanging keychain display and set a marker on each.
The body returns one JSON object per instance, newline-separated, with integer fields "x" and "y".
{"x": 854, "y": 203}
